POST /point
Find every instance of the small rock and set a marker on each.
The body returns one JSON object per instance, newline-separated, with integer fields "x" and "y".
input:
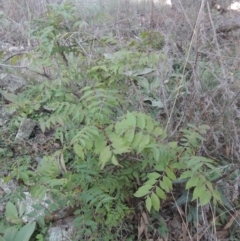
{"x": 63, "y": 232}
{"x": 11, "y": 83}
{"x": 5, "y": 114}
{"x": 25, "y": 130}
{"x": 7, "y": 187}
{"x": 28, "y": 203}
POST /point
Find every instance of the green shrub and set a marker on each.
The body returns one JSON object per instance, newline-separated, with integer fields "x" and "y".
{"x": 111, "y": 156}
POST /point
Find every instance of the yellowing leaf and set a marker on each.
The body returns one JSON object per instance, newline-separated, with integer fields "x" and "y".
{"x": 15, "y": 59}
{"x": 62, "y": 164}
{"x": 148, "y": 203}
{"x": 155, "y": 201}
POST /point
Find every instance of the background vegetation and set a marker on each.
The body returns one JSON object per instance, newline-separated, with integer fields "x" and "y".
{"x": 137, "y": 119}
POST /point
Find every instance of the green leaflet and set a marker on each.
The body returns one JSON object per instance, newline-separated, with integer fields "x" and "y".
{"x": 159, "y": 132}
{"x": 24, "y": 176}
{"x": 150, "y": 182}
{"x": 129, "y": 136}
{"x": 209, "y": 185}
{"x": 122, "y": 126}
{"x": 186, "y": 174}
{"x": 38, "y": 191}
{"x": 170, "y": 174}
{"x": 164, "y": 186}
{"x": 160, "y": 193}
{"x": 141, "y": 121}
{"x": 199, "y": 191}
{"x": 192, "y": 182}
{"x": 9, "y": 234}
{"x": 12, "y": 213}
{"x": 205, "y": 199}
{"x": 137, "y": 139}
{"x": 131, "y": 119}
{"x": 156, "y": 154}
{"x": 155, "y": 201}
{"x": 114, "y": 160}
{"x": 197, "y": 166}
{"x": 78, "y": 150}
{"x": 56, "y": 182}
{"x": 160, "y": 167}
{"x": 143, "y": 143}
{"x": 99, "y": 143}
{"x": 153, "y": 175}
{"x": 25, "y": 232}
{"x": 105, "y": 156}
{"x": 149, "y": 125}
{"x": 142, "y": 191}
{"x": 118, "y": 142}
{"x": 168, "y": 182}
{"x": 148, "y": 203}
